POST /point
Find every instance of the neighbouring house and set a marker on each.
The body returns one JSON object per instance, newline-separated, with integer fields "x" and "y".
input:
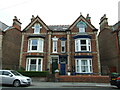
{"x": 68, "y": 48}
{"x": 109, "y": 46}
{"x": 3, "y": 26}
{"x": 11, "y": 43}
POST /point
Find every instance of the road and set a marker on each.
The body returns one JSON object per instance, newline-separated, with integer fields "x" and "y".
{"x": 63, "y": 86}
{"x": 77, "y": 88}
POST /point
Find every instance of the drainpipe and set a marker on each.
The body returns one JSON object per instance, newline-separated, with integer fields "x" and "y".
{"x": 118, "y": 50}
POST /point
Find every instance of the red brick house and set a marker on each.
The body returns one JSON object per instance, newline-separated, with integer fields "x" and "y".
{"x": 71, "y": 48}
{"x": 109, "y": 46}
{"x": 11, "y": 43}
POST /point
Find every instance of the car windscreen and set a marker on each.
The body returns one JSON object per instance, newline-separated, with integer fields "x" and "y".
{"x": 16, "y": 73}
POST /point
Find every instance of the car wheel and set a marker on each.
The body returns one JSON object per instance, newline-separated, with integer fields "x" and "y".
{"x": 16, "y": 83}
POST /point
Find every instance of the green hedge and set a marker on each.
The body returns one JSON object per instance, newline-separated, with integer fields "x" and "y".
{"x": 34, "y": 73}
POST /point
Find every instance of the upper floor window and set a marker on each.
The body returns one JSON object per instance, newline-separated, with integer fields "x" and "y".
{"x": 63, "y": 46}
{"x": 82, "y": 26}
{"x": 55, "y": 44}
{"x": 82, "y": 45}
{"x": 35, "y": 45}
{"x": 37, "y": 28}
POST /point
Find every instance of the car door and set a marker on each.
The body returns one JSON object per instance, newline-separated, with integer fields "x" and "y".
{"x": 0, "y": 77}
{"x": 6, "y": 78}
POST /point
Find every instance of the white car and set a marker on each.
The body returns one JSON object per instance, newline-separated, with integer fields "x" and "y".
{"x": 14, "y": 78}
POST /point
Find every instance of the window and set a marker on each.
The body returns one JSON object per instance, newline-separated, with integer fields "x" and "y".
{"x": 34, "y": 64}
{"x": 6, "y": 73}
{"x": 81, "y": 27}
{"x": 35, "y": 45}
{"x": 63, "y": 46}
{"x": 83, "y": 66}
{"x": 55, "y": 44}
{"x": 82, "y": 45}
{"x": 37, "y": 28}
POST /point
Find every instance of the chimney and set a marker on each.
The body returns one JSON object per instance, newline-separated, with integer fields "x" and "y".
{"x": 88, "y": 18}
{"x": 103, "y": 22}
{"x": 32, "y": 18}
{"x": 16, "y": 23}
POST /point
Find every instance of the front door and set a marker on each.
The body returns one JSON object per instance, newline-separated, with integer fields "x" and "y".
{"x": 62, "y": 69}
{"x": 63, "y": 62}
{"x": 54, "y": 64}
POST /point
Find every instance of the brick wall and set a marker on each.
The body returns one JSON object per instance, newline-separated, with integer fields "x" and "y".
{"x": 11, "y": 49}
{"x": 108, "y": 51}
{"x": 82, "y": 78}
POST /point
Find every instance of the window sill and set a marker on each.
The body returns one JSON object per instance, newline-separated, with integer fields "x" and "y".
{"x": 83, "y": 52}
{"x": 35, "y": 51}
{"x": 84, "y": 73}
{"x": 54, "y": 52}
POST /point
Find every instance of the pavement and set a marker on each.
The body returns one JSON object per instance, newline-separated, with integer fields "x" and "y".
{"x": 67, "y": 84}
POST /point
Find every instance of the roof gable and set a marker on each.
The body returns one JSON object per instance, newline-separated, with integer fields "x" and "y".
{"x": 81, "y": 18}
{"x": 37, "y": 19}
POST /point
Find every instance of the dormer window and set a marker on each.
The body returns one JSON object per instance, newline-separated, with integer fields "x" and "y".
{"x": 37, "y": 28}
{"x": 82, "y": 26}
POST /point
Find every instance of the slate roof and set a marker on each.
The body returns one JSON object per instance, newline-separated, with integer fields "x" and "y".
{"x": 3, "y": 26}
{"x": 58, "y": 27}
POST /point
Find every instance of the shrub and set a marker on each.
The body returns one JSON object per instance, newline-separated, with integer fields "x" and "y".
{"x": 34, "y": 73}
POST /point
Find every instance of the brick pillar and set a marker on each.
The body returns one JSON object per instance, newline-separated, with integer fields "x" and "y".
{"x": 21, "y": 51}
{"x": 68, "y": 48}
{"x": 98, "y": 55}
{"x": 49, "y": 49}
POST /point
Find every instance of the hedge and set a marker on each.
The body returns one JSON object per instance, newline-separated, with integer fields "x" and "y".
{"x": 34, "y": 73}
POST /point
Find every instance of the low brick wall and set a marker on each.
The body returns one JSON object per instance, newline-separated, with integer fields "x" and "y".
{"x": 39, "y": 79}
{"x": 82, "y": 78}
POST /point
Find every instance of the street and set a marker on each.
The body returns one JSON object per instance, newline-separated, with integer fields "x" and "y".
{"x": 77, "y": 88}
{"x": 62, "y": 86}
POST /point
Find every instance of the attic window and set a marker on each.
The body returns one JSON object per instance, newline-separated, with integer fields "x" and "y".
{"x": 37, "y": 28}
{"x": 81, "y": 25}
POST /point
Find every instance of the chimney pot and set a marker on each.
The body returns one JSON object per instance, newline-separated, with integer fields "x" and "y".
{"x": 17, "y": 23}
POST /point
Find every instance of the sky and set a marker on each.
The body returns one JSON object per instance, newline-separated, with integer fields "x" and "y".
{"x": 58, "y": 12}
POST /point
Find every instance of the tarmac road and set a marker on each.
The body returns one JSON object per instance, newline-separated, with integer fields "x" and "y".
{"x": 63, "y": 86}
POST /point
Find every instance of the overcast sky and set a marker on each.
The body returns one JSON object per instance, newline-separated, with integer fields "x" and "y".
{"x": 58, "y": 12}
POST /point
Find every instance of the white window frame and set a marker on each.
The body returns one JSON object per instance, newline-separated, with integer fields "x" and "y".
{"x": 37, "y": 30}
{"x": 81, "y": 28}
{"x": 63, "y": 45}
{"x": 79, "y": 66}
{"x": 55, "y": 42}
{"x": 40, "y": 45}
{"x": 28, "y": 63}
{"x": 78, "y": 45}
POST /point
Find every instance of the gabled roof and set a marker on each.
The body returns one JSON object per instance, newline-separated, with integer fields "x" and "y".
{"x": 83, "y": 19}
{"x": 33, "y": 22}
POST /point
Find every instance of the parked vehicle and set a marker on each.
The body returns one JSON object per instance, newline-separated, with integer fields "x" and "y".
{"x": 115, "y": 79}
{"x": 14, "y": 78}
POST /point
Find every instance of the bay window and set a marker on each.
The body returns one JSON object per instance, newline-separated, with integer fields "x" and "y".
{"x": 82, "y": 44}
{"x": 83, "y": 65}
{"x": 35, "y": 45}
{"x": 34, "y": 64}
